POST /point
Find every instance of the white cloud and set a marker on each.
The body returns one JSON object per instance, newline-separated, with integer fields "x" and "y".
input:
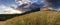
{"x": 12, "y": 11}
{"x": 9, "y": 10}
{"x": 20, "y": 2}
{"x": 2, "y": 6}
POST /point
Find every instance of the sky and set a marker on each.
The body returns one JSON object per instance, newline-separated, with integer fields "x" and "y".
{"x": 6, "y": 4}
{"x": 14, "y": 3}
{"x": 10, "y": 2}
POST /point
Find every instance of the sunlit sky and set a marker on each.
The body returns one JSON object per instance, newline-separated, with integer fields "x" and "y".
{"x": 4, "y": 4}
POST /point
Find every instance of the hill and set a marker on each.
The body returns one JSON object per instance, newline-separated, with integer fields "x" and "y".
{"x": 35, "y": 18}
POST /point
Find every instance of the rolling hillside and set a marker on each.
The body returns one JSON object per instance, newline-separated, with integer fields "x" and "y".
{"x": 35, "y": 18}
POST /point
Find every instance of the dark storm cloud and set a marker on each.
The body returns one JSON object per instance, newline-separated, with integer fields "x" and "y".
{"x": 54, "y": 3}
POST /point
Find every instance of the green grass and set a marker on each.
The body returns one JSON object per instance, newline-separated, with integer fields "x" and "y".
{"x": 35, "y": 18}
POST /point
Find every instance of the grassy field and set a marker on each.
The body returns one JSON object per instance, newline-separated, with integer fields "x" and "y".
{"x": 35, "y": 18}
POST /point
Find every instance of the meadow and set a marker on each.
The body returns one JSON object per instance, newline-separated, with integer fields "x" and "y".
{"x": 35, "y": 18}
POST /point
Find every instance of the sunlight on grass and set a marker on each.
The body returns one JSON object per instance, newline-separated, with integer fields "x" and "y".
{"x": 36, "y": 18}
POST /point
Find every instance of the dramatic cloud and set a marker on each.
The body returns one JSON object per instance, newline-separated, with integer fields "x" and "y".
{"x": 20, "y": 2}
{"x": 54, "y": 3}
{"x": 9, "y": 7}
